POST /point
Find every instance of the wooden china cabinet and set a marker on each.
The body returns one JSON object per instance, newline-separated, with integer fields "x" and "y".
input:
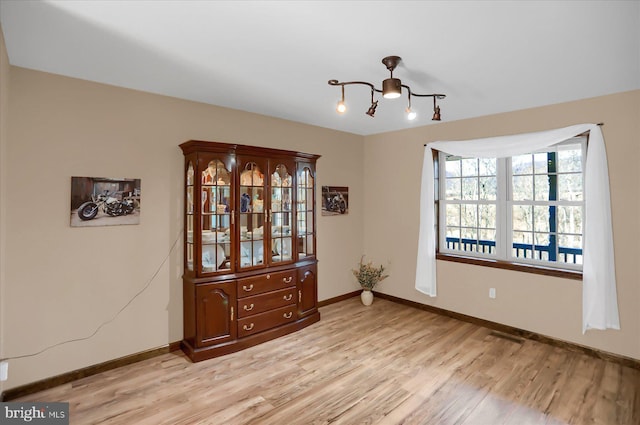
{"x": 250, "y": 265}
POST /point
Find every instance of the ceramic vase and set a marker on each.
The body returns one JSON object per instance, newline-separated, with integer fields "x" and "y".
{"x": 367, "y": 297}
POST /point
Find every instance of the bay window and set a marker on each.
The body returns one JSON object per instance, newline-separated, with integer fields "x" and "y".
{"x": 552, "y": 209}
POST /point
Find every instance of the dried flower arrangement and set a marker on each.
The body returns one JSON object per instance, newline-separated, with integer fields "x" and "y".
{"x": 369, "y": 275}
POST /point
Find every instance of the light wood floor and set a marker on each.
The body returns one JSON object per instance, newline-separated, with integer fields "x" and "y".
{"x": 383, "y": 364}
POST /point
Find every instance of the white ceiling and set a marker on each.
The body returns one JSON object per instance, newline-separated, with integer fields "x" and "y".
{"x": 275, "y": 57}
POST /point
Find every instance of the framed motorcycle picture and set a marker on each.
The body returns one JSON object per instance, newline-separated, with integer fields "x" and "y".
{"x": 335, "y": 200}
{"x": 103, "y": 201}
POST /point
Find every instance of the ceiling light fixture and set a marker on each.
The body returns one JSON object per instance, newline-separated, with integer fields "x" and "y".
{"x": 391, "y": 89}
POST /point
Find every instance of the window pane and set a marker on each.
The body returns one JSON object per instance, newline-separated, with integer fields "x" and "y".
{"x": 542, "y": 188}
{"x": 522, "y": 188}
{"x": 470, "y": 189}
{"x": 570, "y": 256}
{"x": 542, "y": 238}
{"x": 470, "y": 167}
{"x": 542, "y": 242}
{"x": 488, "y": 188}
{"x": 541, "y": 218}
{"x": 542, "y": 255}
{"x": 570, "y": 187}
{"x": 540, "y": 163}
{"x": 453, "y": 238}
{"x": 469, "y": 216}
{"x": 522, "y": 245}
{"x": 469, "y": 233}
{"x": 487, "y": 166}
{"x": 487, "y": 241}
{"x": 487, "y": 216}
{"x": 469, "y": 242}
{"x": 522, "y": 217}
{"x": 570, "y": 249}
{"x": 569, "y": 158}
{"x": 570, "y": 241}
{"x": 452, "y": 168}
{"x": 453, "y": 232}
{"x": 525, "y": 238}
{"x": 454, "y": 189}
{"x": 522, "y": 164}
{"x": 453, "y": 215}
{"x": 570, "y": 219}
{"x": 488, "y": 235}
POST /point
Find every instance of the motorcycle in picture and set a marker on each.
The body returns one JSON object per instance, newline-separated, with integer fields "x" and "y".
{"x": 335, "y": 202}
{"x": 109, "y": 204}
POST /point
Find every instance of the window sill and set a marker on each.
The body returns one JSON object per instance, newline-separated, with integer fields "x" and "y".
{"x": 566, "y": 274}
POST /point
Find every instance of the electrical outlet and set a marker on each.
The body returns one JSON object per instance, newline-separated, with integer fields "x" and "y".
{"x": 4, "y": 371}
{"x": 492, "y": 292}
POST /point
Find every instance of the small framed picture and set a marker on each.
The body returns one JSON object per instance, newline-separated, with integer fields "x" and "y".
{"x": 103, "y": 201}
{"x": 335, "y": 200}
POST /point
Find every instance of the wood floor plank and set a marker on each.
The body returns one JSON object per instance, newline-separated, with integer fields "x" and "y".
{"x": 385, "y": 364}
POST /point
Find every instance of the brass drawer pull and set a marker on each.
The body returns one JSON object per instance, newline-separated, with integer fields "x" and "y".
{"x": 248, "y": 308}
{"x": 247, "y": 328}
{"x": 287, "y": 315}
{"x": 268, "y": 276}
{"x": 287, "y": 279}
{"x": 287, "y": 297}
{"x": 247, "y": 289}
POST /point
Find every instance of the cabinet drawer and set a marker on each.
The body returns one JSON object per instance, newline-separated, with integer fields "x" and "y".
{"x": 263, "y": 321}
{"x": 267, "y": 301}
{"x": 266, "y": 283}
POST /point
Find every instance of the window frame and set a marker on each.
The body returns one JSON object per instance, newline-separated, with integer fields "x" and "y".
{"x": 503, "y": 254}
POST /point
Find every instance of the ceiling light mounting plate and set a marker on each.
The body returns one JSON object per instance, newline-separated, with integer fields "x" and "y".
{"x": 391, "y": 62}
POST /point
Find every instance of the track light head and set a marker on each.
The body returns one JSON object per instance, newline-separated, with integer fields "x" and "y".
{"x": 341, "y": 108}
{"x": 372, "y": 109}
{"x": 436, "y": 114}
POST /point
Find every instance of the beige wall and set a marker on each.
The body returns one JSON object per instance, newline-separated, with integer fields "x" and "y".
{"x": 61, "y": 282}
{"x": 547, "y": 305}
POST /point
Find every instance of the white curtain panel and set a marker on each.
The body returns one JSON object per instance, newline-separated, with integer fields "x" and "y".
{"x": 599, "y": 297}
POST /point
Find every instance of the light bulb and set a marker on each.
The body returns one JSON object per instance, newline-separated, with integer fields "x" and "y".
{"x": 341, "y": 107}
{"x": 411, "y": 115}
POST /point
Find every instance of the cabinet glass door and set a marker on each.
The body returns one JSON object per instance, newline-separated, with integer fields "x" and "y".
{"x": 304, "y": 214}
{"x": 217, "y": 205}
{"x": 189, "y": 215}
{"x": 252, "y": 216}
{"x": 281, "y": 215}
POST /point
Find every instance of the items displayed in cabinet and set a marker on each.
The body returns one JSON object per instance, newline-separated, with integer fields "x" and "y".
{"x": 215, "y": 199}
{"x": 252, "y": 177}
{"x": 281, "y": 216}
{"x": 213, "y": 257}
